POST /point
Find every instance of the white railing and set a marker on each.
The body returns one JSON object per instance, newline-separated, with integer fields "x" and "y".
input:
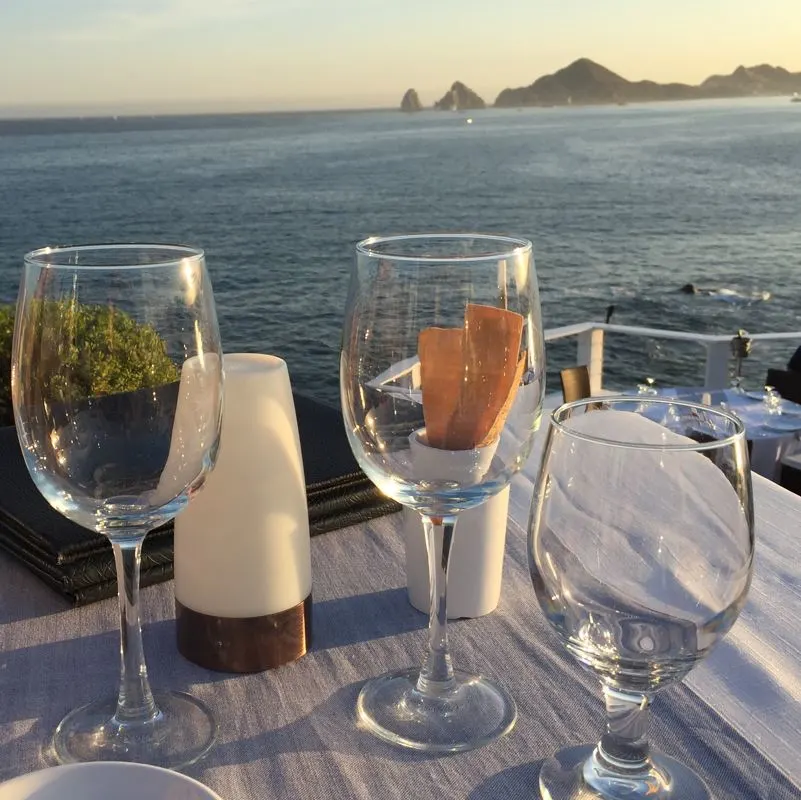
{"x": 590, "y": 347}
{"x": 404, "y": 377}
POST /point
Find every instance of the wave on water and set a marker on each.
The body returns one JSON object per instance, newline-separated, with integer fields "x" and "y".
{"x": 735, "y": 296}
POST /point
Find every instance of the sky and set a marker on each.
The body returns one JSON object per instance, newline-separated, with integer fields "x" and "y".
{"x": 157, "y": 56}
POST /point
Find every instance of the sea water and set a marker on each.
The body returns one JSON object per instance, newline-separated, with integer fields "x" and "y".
{"x": 624, "y": 206}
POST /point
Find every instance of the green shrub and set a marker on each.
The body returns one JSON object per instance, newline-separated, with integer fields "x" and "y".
{"x": 117, "y": 354}
{"x": 6, "y": 334}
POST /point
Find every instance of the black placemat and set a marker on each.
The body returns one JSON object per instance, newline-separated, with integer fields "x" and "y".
{"x": 79, "y": 563}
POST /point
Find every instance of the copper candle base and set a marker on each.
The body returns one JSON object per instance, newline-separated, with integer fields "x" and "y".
{"x": 249, "y": 644}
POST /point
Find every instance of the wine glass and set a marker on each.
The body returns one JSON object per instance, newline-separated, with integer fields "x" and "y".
{"x": 641, "y": 548}
{"x": 116, "y": 387}
{"x": 772, "y": 401}
{"x": 442, "y": 377}
{"x": 647, "y": 387}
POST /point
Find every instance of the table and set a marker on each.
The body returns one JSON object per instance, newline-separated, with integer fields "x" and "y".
{"x": 290, "y": 733}
{"x": 771, "y": 435}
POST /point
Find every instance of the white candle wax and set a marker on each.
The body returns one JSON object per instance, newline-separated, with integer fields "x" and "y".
{"x": 242, "y": 545}
{"x": 475, "y": 570}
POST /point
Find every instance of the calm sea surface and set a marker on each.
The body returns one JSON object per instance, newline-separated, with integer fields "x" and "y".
{"x": 623, "y": 204}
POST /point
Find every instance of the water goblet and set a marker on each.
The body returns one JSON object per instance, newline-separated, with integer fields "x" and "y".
{"x": 442, "y": 376}
{"x": 772, "y": 401}
{"x": 641, "y": 549}
{"x": 116, "y": 388}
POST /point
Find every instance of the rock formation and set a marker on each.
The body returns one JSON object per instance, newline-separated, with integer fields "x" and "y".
{"x": 759, "y": 80}
{"x": 584, "y": 82}
{"x": 411, "y": 102}
{"x": 459, "y": 98}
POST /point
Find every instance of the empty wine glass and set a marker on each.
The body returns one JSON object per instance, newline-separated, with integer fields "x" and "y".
{"x": 116, "y": 387}
{"x": 442, "y": 377}
{"x": 641, "y": 548}
{"x": 772, "y": 401}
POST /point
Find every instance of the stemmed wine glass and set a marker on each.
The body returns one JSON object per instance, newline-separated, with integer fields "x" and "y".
{"x": 442, "y": 377}
{"x": 641, "y": 548}
{"x": 117, "y": 394}
{"x": 647, "y": 387}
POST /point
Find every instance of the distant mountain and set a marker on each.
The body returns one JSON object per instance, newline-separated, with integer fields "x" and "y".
{"x": 459, "y": 98}
{"x": 411, "y": 101}
{"x": 763, "y": 79}
{"x": 584, "y": 82}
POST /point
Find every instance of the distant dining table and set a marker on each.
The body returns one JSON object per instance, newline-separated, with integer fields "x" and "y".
{"x": 772, "y": 434}
{"x": 292, "y": 732}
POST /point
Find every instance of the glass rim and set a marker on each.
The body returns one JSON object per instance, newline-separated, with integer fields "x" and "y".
{"x": 738, "y": 434}
{"x": 508, "y": 246}
{"x": 51, "y": 256}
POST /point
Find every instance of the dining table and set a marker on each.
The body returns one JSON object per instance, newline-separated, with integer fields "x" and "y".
{"x": 292, "y": 732}
{"x": 772, "y": 430}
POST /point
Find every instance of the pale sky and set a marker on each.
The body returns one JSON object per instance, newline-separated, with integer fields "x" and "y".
{"x": 196, "y": 55}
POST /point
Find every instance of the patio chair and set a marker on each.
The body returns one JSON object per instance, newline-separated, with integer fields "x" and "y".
{"x": 575, "y": 383}
{"x": 786, "y": 383}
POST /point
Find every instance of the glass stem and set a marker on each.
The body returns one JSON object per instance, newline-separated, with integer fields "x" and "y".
{"x": 624, "y": 747}
{"x": 135, "y": 703}
{"x": 436, "y": 676}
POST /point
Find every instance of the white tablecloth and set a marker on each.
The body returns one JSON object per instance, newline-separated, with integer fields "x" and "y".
{"x": 768, "y": 434}
{"x": 290, "y": 733}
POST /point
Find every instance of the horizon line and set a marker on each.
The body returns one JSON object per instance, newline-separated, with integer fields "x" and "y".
{"x": 91, "y": 117}
{"x": 137, "y": 108}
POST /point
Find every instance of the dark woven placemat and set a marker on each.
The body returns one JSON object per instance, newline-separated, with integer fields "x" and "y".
{"x": 79, "y": 563}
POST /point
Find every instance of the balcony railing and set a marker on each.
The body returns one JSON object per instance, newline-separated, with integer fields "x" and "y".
{"x": 590, "y": 347}
{"x": 405, "y": 375}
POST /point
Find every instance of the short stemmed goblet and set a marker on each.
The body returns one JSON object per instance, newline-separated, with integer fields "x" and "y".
{"x": 641, "y": 549}
{"x": 117, "y": 395}
{"x": 442, "y": 377}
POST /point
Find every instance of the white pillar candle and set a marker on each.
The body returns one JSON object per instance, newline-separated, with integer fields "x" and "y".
{"x": 242, "y": 555}
{"x": 475, "y": 567}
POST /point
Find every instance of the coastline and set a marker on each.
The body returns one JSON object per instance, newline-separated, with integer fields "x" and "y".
{"x": 139, "y": 121}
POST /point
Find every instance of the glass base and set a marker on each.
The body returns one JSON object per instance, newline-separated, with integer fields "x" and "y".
{"x": 181, "y": 733}
{"x": 469, "y": 713}
{"x": 573, "y": 774}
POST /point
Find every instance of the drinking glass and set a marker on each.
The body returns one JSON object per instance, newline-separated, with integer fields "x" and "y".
{"x": 442, "y": 376}
{"x": 772, "y": 401}
{"x": 641, "y": 547}
{"x": 116, "y": 387}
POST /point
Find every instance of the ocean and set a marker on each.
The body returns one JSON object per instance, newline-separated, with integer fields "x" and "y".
{"x": 624, "y": 205}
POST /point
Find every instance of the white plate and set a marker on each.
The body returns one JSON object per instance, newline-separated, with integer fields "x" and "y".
{"x": 105, "y": 780}
{"x": 780, "y": 422}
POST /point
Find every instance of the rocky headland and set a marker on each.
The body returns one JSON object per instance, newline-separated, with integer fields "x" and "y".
{"x": 585, "y": 82}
